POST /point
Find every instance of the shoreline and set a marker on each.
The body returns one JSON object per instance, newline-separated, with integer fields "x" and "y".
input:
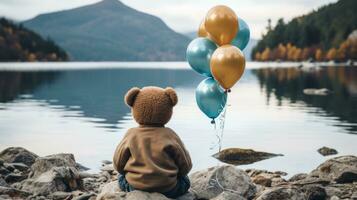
{"x": 24, "y": 175}
{"x": 173, "y": 65}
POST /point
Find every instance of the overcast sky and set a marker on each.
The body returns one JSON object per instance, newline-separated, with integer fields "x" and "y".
{"x": 181, "y": 15}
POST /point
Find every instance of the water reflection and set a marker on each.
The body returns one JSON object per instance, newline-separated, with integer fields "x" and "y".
{"x": 98, "y": 94}
{"x": 289, "y": 83}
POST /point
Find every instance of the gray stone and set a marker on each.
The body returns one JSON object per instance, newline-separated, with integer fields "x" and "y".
{"x": 108, "y": 168}
{"x": 4, "y": 171}
{"x": 20, "y": 166}
{"x": 238, "y": 156}
{"x": 111, "y": 191}
{"x": 298, "y": 177}
{"x": 341, "y": 169}
{"x": 53, "y": 173}
{"x": 46, "y": 163}
{"x": 18, "y": 155}
{"x": 226, "y": 195}
{"x": 14, "y": 193}
{"x": 317, "y": 92}
{"x": 326, "y": 151}
{"x": 209, "y": 183}
{"x": 56, "y": 179}
{"x": 13, "y": 178}
{"x": 3, "y": 182}
{"x": 282, "y": 193}
{"x": 84, "y": 196}
{"x": 314, "y": 192}
{"x": 81, "y": 167}
{"x": 59, "y": 195}
{"x": 188, "y": 196}
{"x": 106, "y": 162}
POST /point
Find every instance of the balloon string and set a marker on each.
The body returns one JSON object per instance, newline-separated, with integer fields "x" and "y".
{"x": 220, "y": 129}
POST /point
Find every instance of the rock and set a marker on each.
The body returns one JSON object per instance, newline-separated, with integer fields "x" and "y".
{"x": 81, "y": 167}
{"x": 88, "y": 175}
{"x": 111, "y": 191}
{"x": 317, "y": 92}
{"x": 1, "y": 162}
{"x": 188, "y": 196}
{"x": 106, "y": 162}
{"x": 262, "y": 180}
{"x": 226, "y": 195}
{"x": 209, "y": 183}
{"x": 109, "y": 168}
{"x": 298, "y": 177}
{"x": 282, "y": 193}
{"x": 56, "y": 179}
{"x": 334, "y": 198}
{"x": 60, "y": 195}
{"x": 4, "y": 171}
{"x": 314, "y": 192}
{"x": 18, "y": 155}
{"x": 3, "y": 182}
{"x": 12, "y": 178}
{"x": 14, "y": 193}
{"x": 46, "y": 163}
{"x": 341, "y": 169}
{"x": 84, "y": 196}
{"x": 342, "y": 191}
{"x": 53, "y": 173}
{"x": 238, "y": 156}
{"x": 19, "y": 166}
{"x": 326, "y": 151}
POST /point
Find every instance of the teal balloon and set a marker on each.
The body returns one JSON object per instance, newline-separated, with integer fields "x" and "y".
{"x": 242, "y": 38}
{"x": 199, "y": 53}
{"x": 210, "y": 97}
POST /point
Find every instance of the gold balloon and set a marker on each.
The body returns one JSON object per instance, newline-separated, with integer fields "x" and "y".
{"x": 222, "y": 24}
{"x": 202, "y": 30}
{"x": 227, "y": 65}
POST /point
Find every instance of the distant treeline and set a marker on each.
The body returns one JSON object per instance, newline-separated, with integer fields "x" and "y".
{"x": 21, "y": 44}
{"x": 325, "y": 34}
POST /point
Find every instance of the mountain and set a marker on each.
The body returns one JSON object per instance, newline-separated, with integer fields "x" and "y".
{"x": 323, "y": 31}
{"x": 21, "y": 44}
{"x": 111, "y": 31}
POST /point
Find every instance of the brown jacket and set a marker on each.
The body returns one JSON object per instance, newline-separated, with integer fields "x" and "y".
{"x": 151, "y": 158}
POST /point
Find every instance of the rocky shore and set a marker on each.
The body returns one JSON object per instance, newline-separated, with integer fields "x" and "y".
{"x": 24, "y": 175}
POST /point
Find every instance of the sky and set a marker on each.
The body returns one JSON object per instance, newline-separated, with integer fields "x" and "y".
{"x": 181, "y": 15}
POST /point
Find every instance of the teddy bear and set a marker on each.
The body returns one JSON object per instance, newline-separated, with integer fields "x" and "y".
{"x": 152, "y": 157}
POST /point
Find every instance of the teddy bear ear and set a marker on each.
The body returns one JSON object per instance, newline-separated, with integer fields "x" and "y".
{"x": 172, "y": 94}
{"x": 131, "y": 95}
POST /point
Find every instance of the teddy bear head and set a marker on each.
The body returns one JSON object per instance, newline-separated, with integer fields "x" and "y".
{"x": 151, "y": 105}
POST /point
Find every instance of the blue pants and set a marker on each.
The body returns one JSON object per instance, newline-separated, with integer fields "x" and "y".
{"x": 182, "y": 186}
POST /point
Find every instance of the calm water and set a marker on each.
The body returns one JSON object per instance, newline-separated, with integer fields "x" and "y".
{"x": 82, "y": 111}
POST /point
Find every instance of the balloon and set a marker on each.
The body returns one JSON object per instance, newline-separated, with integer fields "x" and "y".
{"x": 227, "y": 65}
{"x": 242, "y": 38}
{"x": 199, "y": 53}
{"x": 210, "y": 97}
{"x": 222, "y": 24}
{"x": 202, "y": 30}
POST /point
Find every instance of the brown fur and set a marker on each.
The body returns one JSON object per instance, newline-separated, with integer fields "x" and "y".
{"x": 151, "y": 105}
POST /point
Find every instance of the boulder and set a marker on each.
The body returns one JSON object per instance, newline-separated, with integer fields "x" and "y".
{"x": 314, "y": 192}
{"x": 266, "y": 178}
{"x": 18, "y": 155}
{"x": 341, "y": 169}
{"x": 326, "y": 151}
{"x": 317, "y": 92}
{"x": 226, "y": 195}
{"x": 14, "y": 193}
{"x": 46, "y": 163}
{"x": 298, "y": 177}
{"x": 210, "y": 183}
{"x": 342, "y": 191}
{"x": 52, "y": 173}
{"x": 238, "y": 156}
{"x": 13, "y": 178}
{"x": 282, "y": 193}
{"x": 3, "y": 183}
{"x": 111, "y": 191}
{"x": 56, "y": 179}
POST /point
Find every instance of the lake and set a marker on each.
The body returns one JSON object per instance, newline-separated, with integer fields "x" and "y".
{"x": 79, "y": 108}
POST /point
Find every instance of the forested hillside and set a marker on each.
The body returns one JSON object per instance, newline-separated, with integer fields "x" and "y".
{"x": 21, "y": 44}
{"x": 324, "y": 34}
